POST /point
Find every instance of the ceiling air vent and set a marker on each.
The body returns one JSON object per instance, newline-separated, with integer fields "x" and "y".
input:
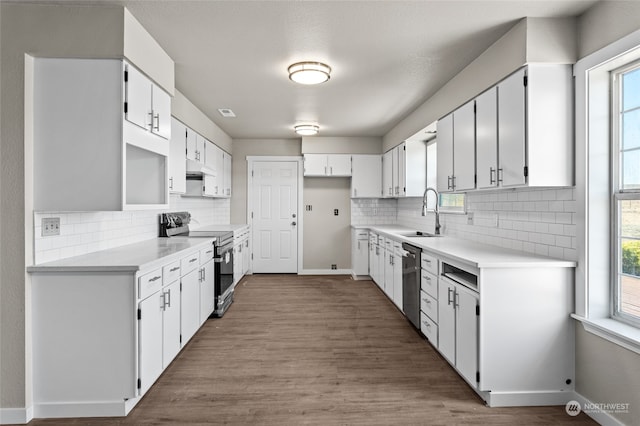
{"x": 226, "y": 112}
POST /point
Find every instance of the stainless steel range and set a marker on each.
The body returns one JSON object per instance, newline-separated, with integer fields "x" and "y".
{"x": 177, "y": 225}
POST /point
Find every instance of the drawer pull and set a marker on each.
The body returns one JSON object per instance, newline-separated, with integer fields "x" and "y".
{"x": 426, "y": 278}
{"x": 426, "y": 324}
{"x": 155, "y": 278}
{"x": 209, "y": 251}
{"x": 175, "y": 268}
{"x": 193, "y": 260}
{"x": 427, "y": 301}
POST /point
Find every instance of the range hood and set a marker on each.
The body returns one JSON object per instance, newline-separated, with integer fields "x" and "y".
{"x": 195, "y": 168}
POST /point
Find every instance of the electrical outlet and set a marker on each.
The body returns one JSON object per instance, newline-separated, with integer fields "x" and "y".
{"x": 50, "y": 226}
{"x": 308, "y": 207}
{"x": 334, "y": 266}
{"x": 335, "y": 212}
{"x": 494, "y": 220}
{"x": 470, "y": 218}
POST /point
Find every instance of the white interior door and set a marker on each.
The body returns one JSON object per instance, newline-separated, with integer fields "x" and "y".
{"x": 274, "y": 192}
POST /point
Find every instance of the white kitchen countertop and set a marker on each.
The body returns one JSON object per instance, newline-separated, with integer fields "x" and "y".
{"x": 217, "y": 228}
{"x": 473, "y": 253}
{"x": 147, "y": 254}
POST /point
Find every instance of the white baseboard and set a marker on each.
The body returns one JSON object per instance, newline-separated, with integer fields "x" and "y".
{"x": 528, "y": 398}
{"x": 85, "y": 409}
{"x": 325, "y": 272}
{"x": 360, "y": 277}
{"x": 20, "y": 416}
{"x": 599, "y": 416}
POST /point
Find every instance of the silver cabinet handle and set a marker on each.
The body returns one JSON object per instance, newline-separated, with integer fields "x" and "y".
{"x": 427, "y": 278}
{"x": 193, "y": 260}
{"x": 492, "y": 175}
{"x": 175, "y": 268}
{"x": 155, "y": 278}
{"x": 208, "y": 251}
{"x": 204, "y": 274}
{"x": 449, "y": 291}
{"x": 500, "y": 174}
{"x": 325, "y": 170}
{"x": 456, "y": 297}
{"x": 150, "y": 114}
{"x": 355, "y": 192}
{"x": 171, "y": 182}
{"x": 167, "y": 299}
{"x": 157, "y": 118}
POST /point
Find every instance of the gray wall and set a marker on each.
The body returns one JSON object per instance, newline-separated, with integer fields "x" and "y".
{"x": 242, "y": 148}
{"x": 327, "y": 238}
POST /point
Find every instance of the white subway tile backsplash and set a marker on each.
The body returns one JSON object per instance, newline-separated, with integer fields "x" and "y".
{"x": 86, "y": 232}
{"x": 538, "y": 221}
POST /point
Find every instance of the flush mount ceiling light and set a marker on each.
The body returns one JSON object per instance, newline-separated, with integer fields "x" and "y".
{"x": 306, "y": 129}
{"x": 309, "y": 72}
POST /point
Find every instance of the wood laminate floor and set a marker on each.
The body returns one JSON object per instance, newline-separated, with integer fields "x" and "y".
{"x": 320, "y": 350}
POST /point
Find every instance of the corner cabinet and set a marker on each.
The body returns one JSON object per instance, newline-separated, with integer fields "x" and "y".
{"x": 404, "y": 170}
{"x": 366, "y": 178}
{"x": 337, "y": 165}
{"x": 101, "y": 137}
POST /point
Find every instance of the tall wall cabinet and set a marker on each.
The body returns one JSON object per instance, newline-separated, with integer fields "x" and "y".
{"x": 404, "y": 170}
{"x": 109, "y": 126}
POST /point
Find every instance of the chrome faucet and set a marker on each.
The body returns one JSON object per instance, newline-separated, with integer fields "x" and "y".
{"x": 437, "y": 210}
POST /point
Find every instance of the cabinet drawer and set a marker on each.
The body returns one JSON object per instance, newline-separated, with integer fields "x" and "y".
{"x": 206, "y": 254}
{"x": 170, "y": 272}
{"x": 429, "y": 263}
{"x": 373, "y": 239}
{"x": 429, "y": 283}
{"x": 362, "y": 235}
{"x": 149, "y": 283}
{"x": 429, "y": 329}
{"x": 189, "y": 263}
{"x": 429, "y": 306}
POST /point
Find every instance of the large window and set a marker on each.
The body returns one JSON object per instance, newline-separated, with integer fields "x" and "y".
{"x": 626, "y": 193}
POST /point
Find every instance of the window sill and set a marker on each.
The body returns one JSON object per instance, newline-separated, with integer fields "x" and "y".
{"x": 614, "y": 331}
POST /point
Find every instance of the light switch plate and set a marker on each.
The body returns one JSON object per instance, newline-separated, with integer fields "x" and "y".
{"x": 50, "y": 226}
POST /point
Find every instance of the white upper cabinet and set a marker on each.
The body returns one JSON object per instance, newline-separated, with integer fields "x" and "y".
{"x": 387, "y": 174}
{"x": 227, "y": 174}
{"x": 487, "y": 139}
{"x": 535, "y": 127}
{"x": 82, "y": 121}
{"x": 511, "y": 130}
{"x": 464, "y": 145}
{"x": 327, "y": 165}
{"x": 456, "y": 150}
{"x": 177, "y": 163}
{"x": 366, "y": 178}
{"x": 146, "y": 104}
{"x": 404, "y": 170}
{"x": 445, "y": 153}
{"x": 195, "y": 146}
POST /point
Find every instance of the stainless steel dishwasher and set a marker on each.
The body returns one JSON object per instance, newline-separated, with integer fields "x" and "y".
{"x": 411, "y": 283}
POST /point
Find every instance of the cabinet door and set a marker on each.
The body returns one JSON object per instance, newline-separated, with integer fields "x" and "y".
{"x": 209, "y": 185}
{"x": 511, "y": 130}
{"x": 138, "y": 98}
{"x": 192, "y": 145}
{"x": 207, "y": 285}
{"x": 399, "y": 171}
{"x": 190, "y": 305}
{"x": 214, "y": 160}
{"x": 315, "y": 165}
{"x": 366, "y": 176}
{"x": 464, "y": 144}
{"x": 397, "y": 279}
{"x": 372, "y": 261}
{"x": 246, "y": 257}
{"x": 227, "y": 174}
{"x": 237, "y": 261}
{"x": 361, "y": 258}
{"x": 487, "y": 138}
{"x": 388, "y": 273}
{"x": 161, "y": 106}
{"x": 339, "y": 165}
{"x": 150, "y": 340}
{"x": 446, "y": 320}
{"x": 171, "y": 323}
{"x": 200, "y": 148}
{"x": 466, "y": 302}
{"x": 445, "y": 153}
{"x": 177, "y": 163}
{"x": 387, "y": 174}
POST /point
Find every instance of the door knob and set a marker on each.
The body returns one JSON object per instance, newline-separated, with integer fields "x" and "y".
{"x": 293, "y": 223}
{"x": 293, "y": 215}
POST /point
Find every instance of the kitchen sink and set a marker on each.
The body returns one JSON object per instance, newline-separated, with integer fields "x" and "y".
{"x": 416, "y": 234}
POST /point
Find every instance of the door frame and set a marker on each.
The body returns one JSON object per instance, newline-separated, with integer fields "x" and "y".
{"x": 251, "y": 160}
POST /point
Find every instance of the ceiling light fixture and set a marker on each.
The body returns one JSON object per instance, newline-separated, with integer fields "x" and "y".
{"x": 309, "y": 72}
{"x": 306, "y": 129}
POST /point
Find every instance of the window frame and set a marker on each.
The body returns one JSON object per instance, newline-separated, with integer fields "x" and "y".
{"x": 618, "y": 193}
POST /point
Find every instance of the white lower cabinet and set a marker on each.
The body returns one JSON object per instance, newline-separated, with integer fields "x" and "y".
{"x": 150, "y": 312}
{"x": 241, "y": 253}
{"x": 397, "y": 274}
{"x": 359, "y": 253}
{"x": 102, "y": 338}
{"x": 458, "y": 328}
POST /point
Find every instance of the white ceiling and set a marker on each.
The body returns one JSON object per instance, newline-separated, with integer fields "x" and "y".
{"x": 388, "y": 57}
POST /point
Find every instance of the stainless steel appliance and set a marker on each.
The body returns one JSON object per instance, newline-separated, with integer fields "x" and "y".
{"x": 411, "y": 283}
{"x": 177, "y": 225}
